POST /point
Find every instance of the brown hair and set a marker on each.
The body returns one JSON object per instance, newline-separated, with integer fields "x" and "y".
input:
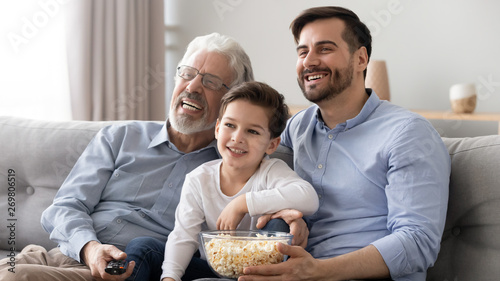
{"x": 356, "y": 33}
{"x": 260, "y": 94}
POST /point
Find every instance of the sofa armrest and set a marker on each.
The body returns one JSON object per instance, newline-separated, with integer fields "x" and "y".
{"x": 470, "y": 248}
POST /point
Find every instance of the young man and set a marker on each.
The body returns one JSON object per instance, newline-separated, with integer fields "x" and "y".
{"x": 230, "y": 193}
{"x": 127, "y": 182}
{"x": 381, "y": 172}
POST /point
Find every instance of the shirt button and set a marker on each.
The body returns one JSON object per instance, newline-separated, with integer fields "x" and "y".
{"x": 118, "y": 221}
{"x": 330, "y": 136}
{"x": 117, "y": 174}
{"x": 320, "y": 166}
{"x": 170, "y": 185}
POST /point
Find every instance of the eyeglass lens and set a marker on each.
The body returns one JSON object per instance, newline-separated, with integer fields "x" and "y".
{"x": 208, "y": 80}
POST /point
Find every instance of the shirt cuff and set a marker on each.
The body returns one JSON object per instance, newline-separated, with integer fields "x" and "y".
{"x": 250, "y": 205}
{"x": 393, "y": 253}
{"x": 74, "y": 245}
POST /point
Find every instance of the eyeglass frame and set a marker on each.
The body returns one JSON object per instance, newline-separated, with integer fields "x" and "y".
{"x": 202, "y": 77}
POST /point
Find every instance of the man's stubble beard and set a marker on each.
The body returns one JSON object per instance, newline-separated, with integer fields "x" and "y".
{"x": 339, "y": 82}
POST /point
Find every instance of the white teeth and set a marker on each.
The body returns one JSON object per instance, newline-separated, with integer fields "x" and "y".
{"x": 237, "y": 150}
{"x": 190, "y": 106}
{"x": 314, "y": 77}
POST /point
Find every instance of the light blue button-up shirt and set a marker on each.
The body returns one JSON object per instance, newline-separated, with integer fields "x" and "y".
{"x": 126, "y": 184}
{"x": 382, "y": 178}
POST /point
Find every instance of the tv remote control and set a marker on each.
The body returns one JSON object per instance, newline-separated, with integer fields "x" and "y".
{"x": 116, "y": 267}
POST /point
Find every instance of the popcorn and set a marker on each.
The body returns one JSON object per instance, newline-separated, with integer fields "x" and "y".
{"x": 228, "y": 257}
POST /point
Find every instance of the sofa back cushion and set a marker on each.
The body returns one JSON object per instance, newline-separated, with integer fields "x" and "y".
{"x": 470, "y": 248}
{"x": 36, "y": 157}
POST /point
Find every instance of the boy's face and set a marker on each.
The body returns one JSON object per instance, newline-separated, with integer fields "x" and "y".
{"x": 243, "y": 135}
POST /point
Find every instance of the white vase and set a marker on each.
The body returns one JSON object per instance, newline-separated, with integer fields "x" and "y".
{"x": 463, "y": 98}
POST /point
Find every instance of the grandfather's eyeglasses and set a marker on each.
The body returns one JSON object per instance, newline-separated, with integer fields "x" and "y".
{"x": 208, "y": 80}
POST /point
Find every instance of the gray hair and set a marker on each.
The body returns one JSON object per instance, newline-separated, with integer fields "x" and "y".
{"x": 227, "y": 46}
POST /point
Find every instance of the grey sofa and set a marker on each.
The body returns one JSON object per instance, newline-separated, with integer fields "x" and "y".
{"x": 36, "y": 156}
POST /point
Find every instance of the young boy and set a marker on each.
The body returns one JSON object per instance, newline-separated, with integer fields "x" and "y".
{"x": 219, "y": 194}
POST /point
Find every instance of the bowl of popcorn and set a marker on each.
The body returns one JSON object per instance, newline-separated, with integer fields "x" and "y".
{"x": 229, "y": 251}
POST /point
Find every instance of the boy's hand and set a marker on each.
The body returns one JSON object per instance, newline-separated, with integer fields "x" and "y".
{"x": 233, "y": 213}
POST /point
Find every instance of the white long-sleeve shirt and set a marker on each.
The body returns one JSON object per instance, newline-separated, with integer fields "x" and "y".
{"x": 273, "y": 187}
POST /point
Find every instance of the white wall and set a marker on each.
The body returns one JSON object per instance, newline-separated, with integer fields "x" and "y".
{"x": 428, "y": 45}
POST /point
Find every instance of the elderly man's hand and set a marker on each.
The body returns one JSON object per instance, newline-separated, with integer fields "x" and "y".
{"x": 96, "y": 256}
{"x": 294, "y": 219}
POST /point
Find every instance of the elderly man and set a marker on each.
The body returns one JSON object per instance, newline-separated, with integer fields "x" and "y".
{"x": 127, "y": 182}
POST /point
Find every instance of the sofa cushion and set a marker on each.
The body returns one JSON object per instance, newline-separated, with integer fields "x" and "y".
{"x": 36, "y": 156}
{"x": 470, "y": 248}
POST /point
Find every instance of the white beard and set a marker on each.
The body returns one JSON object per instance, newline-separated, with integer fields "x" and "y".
{"x": 184, "y": 123}
{"x": 186, "y": 126}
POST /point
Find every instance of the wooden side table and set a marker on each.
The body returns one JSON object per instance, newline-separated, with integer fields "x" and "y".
{"x": 296, "y": 108}
{"x": 437, "y": 115}
{"x": 448, "y": 115}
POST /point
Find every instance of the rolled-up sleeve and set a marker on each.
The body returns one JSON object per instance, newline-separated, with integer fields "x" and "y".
{"x": 68, "y": 219}
{"x": 417, "y": 199}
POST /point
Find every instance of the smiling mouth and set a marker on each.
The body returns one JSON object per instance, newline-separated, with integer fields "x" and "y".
{"x": 315, "y": 77}
{"x": 237, "y": 151}
{"x": 190, "y": 106}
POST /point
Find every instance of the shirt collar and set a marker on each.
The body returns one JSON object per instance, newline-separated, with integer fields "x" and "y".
{"x": 371, "y": 104}
{"x": 162, "y": 137}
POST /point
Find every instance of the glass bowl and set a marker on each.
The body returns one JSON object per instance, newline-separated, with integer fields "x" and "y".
{"x": 229, "y": 251}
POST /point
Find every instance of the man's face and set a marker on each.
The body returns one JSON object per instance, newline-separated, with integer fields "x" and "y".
{"x": 324, "y": 64}
{"x": 194, "y": 108}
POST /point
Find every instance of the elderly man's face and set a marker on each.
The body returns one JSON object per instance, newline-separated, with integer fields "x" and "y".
{"x": 194, "y": 107}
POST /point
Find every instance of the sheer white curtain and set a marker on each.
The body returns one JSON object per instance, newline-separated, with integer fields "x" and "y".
{"x": 116, "y": 59}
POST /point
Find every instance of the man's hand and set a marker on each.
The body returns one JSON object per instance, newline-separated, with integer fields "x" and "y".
{"x": 299, "y": 266}
{"x": 96, "y": 256}
{"x": 362, "y": 264}
{"x": 294, "y": 219}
